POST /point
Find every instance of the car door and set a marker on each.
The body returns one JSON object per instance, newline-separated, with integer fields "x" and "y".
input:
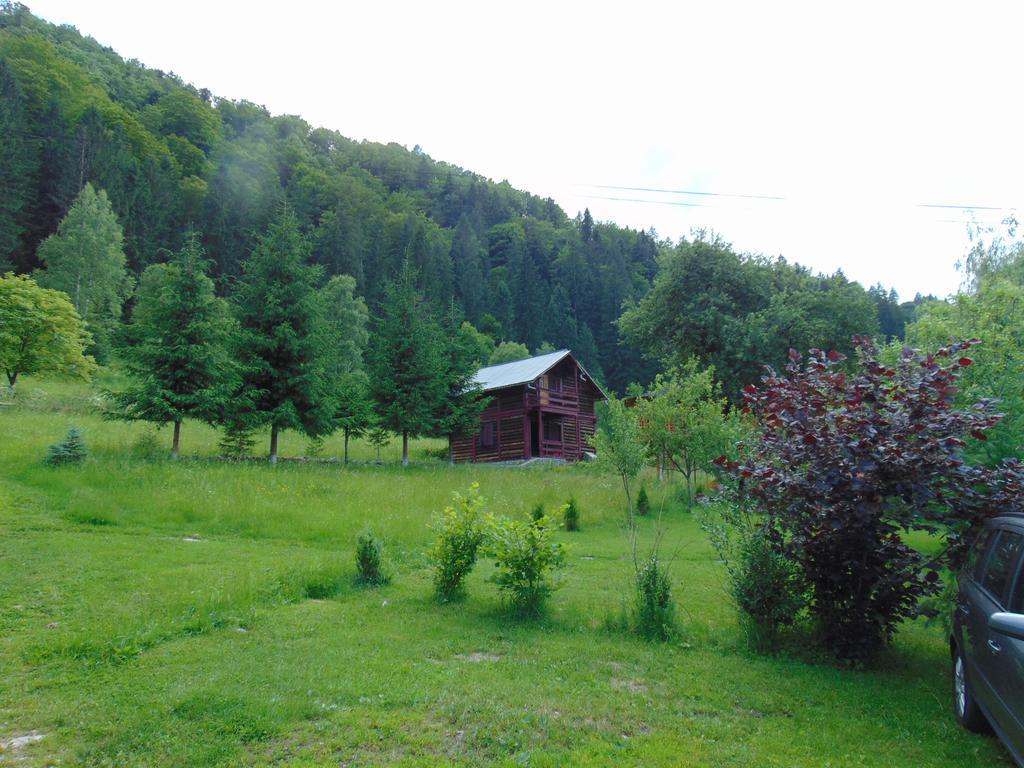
{"x": 1008, "y": 668}
{"x": 994, "y": 655}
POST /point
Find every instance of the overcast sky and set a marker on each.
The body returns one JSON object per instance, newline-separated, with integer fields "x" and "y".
{"x": 823, "y": 129}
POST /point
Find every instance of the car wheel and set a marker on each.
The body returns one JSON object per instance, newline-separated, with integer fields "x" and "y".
{"x": 966, "y": 709}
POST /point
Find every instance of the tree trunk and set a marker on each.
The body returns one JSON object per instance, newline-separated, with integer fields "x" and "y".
{"x": 689, "y": 487}
{"x": 346, "y": 446}
{"x": 273, "y": 444}
{"x": 176, "y": 444}
{"x": 661, "y": 467}
{"x": 12, "y": 379}
{"x": 405, "y": 448}
{"x": 629, "y": 502}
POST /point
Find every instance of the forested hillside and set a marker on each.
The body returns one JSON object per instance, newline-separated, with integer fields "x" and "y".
{"x": 170, "y": 155}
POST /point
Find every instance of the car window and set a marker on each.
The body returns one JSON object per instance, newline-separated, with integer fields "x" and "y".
{"x": 976, "y": 556}
{"x": 1001, "y": 566}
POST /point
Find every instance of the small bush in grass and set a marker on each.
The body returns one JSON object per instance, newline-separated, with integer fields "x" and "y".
{"x": 643, "y": 503}
{"x": 768, "y": 590}
{"x": 537, "y": 512}
{"x": 527, "y": 560}
{"x": 370, "y": 560}
{"x": 460, "y": 533}
{"x": 147, "y": 445}
{"x": 237, "y": 441}
{"x": 571, "y": 514}
{"x": 654, "y": 612}
{"x": 71, "y": 450}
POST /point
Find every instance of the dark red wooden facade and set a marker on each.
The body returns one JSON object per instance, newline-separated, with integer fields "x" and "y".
{"x": 550, "y": 416}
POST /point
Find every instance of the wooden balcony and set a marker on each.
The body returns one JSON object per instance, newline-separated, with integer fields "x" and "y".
{"x": 552, "y": 398}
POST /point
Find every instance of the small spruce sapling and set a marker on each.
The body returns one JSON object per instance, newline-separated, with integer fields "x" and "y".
{"x": 643, "y": 503}
{"x": 71, "y": 450}
{"x": 370, "y": 560}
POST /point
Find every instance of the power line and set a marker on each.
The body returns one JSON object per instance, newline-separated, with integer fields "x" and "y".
{"x": 683, "y": 192}
{"x": 651, "y": 202}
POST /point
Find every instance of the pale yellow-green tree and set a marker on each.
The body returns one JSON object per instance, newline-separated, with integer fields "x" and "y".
{"x": 40, "y": 332}
{"x": 85, "y": 259}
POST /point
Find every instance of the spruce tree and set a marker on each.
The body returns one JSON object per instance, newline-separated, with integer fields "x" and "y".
{"x": 279, "y": 342}
{"x": 179, "y": 359}
{"x": 407, "y": 369}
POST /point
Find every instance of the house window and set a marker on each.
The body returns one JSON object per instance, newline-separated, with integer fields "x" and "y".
{"x": 486, "y": 438}
{"x": 553, "y": 430}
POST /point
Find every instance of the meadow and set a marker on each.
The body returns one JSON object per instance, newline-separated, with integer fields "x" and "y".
{"x": 203, "y": 612}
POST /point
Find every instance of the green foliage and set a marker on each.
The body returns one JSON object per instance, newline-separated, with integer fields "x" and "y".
{"x": 643, "y": 503}
{"x": 571, "y": 515}
{"x": 737, "y": 313}
{"x": 481, "y": 344}
{"x": 508, "y": 352}
{"x": 462, "y": 400}
{"x": 179, "y": 360}
{"x": 40, "y": 332}
{"x": 527, "y": 560}
{"x": 71, "y": 450}
{"x": 537, "y": 512}
{"x": 85, "y": 259}
{"x": 686, "y": 424}
{"x": 993, "y": 311}
{"x": 237, "y": 439}
{"x": 460, "y": 533}
{"x": 18, "y": 164}
{"x": 765, "y": 583}
{"x": 407, "y": 379}
{"x": 279, "y": 342}
{"x": 654, "y": 608}
{"x": 370, "y": 560}
{"x": 619, "y": 445}
{"x": 379, "y": 438}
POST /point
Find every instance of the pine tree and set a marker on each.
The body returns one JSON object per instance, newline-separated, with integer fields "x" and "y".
{"x": 85, "y": 259}
{"x": 179, "y": 360}
{"x": 279, "y": 340}
{"x": 407, "y": 369}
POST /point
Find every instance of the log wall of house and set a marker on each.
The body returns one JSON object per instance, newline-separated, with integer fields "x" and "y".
{"x": 505, "y": 411}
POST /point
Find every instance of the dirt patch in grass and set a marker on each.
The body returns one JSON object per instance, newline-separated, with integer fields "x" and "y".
{"x": 477, "y": 656}
{"x": 633, "y": 686}
{"x": 11, "y": 747}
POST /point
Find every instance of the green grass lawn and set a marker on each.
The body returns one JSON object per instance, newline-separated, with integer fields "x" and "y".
{"x": 157, "y": 613}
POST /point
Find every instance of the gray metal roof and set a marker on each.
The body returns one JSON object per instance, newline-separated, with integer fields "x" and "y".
{"x": 522, "y": 371}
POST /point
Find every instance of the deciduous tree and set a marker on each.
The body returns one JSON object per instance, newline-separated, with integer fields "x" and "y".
{"x": 40, "y": 332}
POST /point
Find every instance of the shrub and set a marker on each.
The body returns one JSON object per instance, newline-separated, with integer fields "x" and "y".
{"x": 526, "y": 559}
{"x": 850, "y": 459}
{"x": 237, "y": 441}
{"x": 643, "y": 503}
{"x": 762, "y": 579}
{"x": 460, "y": 533}
{"x": 71, "y": 450}
{"x": 768, "y": 590}
{"x": 654, "y": 612}
{"x": 537, "y": 512}
{"x": 370, "y": 560}
{"x": 147, "y": 444}
{"x": 571, "y": 514}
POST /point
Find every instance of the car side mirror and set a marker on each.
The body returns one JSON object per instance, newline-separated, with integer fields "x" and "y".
{"x": 1009, "y": 624}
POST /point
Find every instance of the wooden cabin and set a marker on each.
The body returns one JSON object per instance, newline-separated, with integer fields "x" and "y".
{"x": 540, "y": 407}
